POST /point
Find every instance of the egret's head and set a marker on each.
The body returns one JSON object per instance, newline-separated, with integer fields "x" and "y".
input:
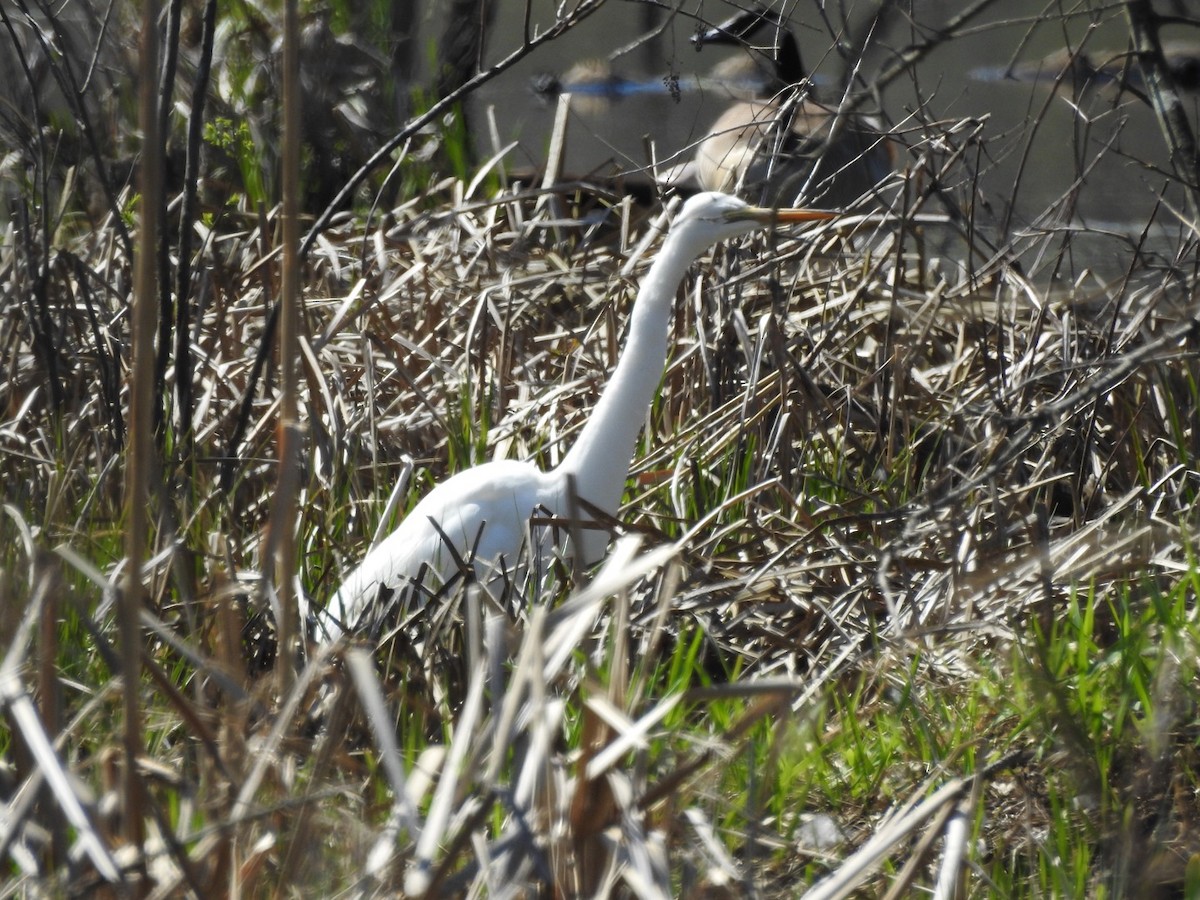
{"x": 710, "y": 217}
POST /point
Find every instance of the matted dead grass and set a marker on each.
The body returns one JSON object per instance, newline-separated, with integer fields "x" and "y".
{"x": 863, "y": 467}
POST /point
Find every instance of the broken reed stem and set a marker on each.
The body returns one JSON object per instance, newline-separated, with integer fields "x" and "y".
{"x": 141, "y": 422}
{"x": 184, "y": 376}
{"x": 289, "y": 433}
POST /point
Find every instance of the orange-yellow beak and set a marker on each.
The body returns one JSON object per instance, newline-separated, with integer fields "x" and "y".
{"x": 771, "y": 217}
{"x": 765, "y": 216}
{"x": 801, "y": 215}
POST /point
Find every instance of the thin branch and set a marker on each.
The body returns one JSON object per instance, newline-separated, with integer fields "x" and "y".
{"x": 383, "y": 154}
{"x": 1164, "y": 97}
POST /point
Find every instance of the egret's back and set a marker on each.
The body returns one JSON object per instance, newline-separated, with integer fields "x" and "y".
{"x": 479, "y": 519}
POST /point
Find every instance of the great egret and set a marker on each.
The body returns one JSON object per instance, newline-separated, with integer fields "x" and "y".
{"x": 785, "y": 147}
{"x": 482, "y": 521}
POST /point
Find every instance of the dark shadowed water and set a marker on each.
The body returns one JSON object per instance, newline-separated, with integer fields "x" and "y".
{"x": 1087, "y": 156}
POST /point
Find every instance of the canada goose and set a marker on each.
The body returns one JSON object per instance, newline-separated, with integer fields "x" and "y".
{"x": 594, "y": 78}
{"x": 786, "y": 147}
{"x": 1077, "y": 68}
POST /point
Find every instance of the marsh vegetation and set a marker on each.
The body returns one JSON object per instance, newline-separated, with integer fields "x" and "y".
{"x": 903, "y": 595}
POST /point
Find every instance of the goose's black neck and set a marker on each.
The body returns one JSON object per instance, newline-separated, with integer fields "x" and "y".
{"x": 788, "y": 67}
{"x": 751, "y": 25}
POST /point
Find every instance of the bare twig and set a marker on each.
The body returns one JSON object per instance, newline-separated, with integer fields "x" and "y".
{"x": 576, "y": 15}
{"x": 187, "y": 221}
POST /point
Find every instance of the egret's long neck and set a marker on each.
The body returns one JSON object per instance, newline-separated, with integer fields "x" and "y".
{"x": 602, "y": 454}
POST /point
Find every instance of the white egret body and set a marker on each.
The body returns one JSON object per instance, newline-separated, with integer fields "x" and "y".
{"x": 484, "y": 512}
